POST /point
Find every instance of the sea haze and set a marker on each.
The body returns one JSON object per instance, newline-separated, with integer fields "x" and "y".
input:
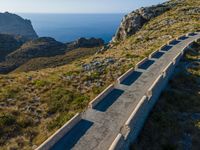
{"x": 68, "y": 27}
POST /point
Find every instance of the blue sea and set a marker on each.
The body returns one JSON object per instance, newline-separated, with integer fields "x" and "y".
{"x": 68, "y": 27}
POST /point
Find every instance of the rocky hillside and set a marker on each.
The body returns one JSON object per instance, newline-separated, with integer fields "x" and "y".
{"x": 41, "y": 47}
{"x": 16, "y": 25}
{"x": 8, "y": 44}
{"x": 42, "y": 52}
{"x": 35, "y": 104}
{"x": 135, "y": 20}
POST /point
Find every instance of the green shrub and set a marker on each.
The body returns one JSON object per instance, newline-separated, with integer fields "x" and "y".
{"x": 40, "y": 83}
{"x": 7, "y": 120}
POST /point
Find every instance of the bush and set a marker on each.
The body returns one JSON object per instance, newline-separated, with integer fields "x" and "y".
{"x": 7, "y": 120}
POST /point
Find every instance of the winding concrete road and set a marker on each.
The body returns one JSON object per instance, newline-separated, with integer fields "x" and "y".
{"x": 100, "y": 126}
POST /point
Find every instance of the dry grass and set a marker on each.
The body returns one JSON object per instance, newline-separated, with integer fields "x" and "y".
{"x": 50, "y": 97}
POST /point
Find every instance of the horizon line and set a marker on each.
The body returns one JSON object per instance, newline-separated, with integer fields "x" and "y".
{"x": 66, "y": 12}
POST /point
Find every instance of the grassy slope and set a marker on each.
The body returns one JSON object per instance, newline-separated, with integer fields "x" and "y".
{"x": 175, "y": 120}
{"x": 59, "y": 60}
{"x": 34, "y": 104}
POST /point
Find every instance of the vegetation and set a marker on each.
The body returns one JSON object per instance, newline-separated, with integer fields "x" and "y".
{"x": 175, "y": 120}
{"x": 34, "y": 104}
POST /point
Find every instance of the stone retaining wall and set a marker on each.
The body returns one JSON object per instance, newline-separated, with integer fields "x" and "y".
{"x": 117, "y": 143}
{"x": 60, "y": 133}
{"x": 141, "y": 63}
{"x": 125, "y": 75}
{"x": 135, "y": 122}
{"x": 94, "y": 102}
{"x": 151, "y": 55}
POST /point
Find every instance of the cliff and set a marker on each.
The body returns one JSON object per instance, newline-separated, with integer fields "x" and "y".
{"x": 16, "y": 25}
{"x": 135, "y": 20}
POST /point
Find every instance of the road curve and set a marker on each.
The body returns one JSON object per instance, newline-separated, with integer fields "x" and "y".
{"x": 100, "y": 126}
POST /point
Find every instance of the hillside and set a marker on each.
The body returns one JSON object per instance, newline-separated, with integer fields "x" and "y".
{"x": 8, "y": 44}
{"x": 16, "y": 25}
{"x": 175, "y": 120}
{"x": 35, "y": 104}
{"x": 43, "y": 52}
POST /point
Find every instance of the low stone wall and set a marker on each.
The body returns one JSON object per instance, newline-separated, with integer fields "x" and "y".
{"x": 141, "y": 63}
{"x": 135, "y": 122}
{"x": 177, "y": 58}
{"x": 60, "y": 133}
{"x": 161, "y": 48}
{"x": 125, "y": 75}
{"x": 171, "y": 41}
{"x": 190, "y": 34}
{"x": 94, "y": 102}
{"x": 150, "y": 90}
{"x": 117, "y": 143}
{"x": 153, "y": 53}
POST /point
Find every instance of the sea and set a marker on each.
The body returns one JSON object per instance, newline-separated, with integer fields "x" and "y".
{"x": 69, "y": 27}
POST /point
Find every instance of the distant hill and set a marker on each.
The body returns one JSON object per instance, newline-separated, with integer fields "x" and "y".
{"x": 8, "y": 44}
{"x": 16, "y": 25}
{"x": 42, "y": 52}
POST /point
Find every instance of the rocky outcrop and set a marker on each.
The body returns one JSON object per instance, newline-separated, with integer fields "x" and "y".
{"x": 16, "y": 25}
{"x": 134, "y": 21}
{"x": 85, "y": 43}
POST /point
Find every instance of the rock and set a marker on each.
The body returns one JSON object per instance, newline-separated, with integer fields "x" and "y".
{"x": 16, "y": 25}
{"x": 85, "y": 43}
{"x": 134, "y": 21}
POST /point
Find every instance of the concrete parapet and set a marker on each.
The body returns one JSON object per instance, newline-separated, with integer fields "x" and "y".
{"x": 177, "y": 58}
{"x": 164, "y": 72}
{"x": 190, "y": 34}
{"x": 180, "y": 37}
{"x": 163, "y": 46}
{"x": 95, "y": 101}
{"x": 153, "y": 53}
{"x": 150, "y": 90}
{"x": 171, "y": 41}
{"x": 116, "y": 145}
{"x": 133, "y": 115}
{"x": 141, "y": 62}
{"x": 60, "y": 133}
{"x": 125, "y": 75}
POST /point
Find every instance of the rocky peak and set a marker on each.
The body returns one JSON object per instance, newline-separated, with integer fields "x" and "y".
{"x": 16, "y": 25}
{"x": 134, "y": 21}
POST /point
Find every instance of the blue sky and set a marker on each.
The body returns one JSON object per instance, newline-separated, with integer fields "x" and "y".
{"x": 74, "y": 6}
